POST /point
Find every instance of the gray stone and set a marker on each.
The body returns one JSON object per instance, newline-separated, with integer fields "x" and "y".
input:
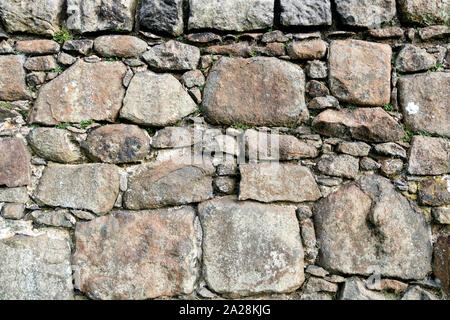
{"x": 429, "y": 156}
{"x": 417, "y": 293}
{"x": 414, "y": 59}
{"x": 433, "y": 32}
{"x": 137, "y": 255}
{"x": 14, "y": 163}
{"x": 36, "y": 78}
{"x": 319, "y": 103}
{"x": 367, "y": 163}
{"x": 119, "y": 46}
{"x": 250, "y": 248}
{"x": 172, "y": 55}
{"x": 12, "y": 78}
{"x": 441, "y": 215}
{"x": 367, "y": 226}
{"x": 342, "y": 165}
{"x": 391, "y": 149}
{"x": 316, "y": 271}
{"x": 54, "y": 144}
{"x": 305, "y": 13}
{"x": 194, "y": 78}
{"x": 81, "y": 46}
{"x": 66, "y": 59}
{"x": 41, "y": 63}
{"x": 98, "y": 15}
{"x": 18, "y": 195}
{"x": 35, "y": 264}
{"x": 164, "y": 16}
{"x": 355, "y": 289}
{"x": 156, "y": 99}
{"x": 365, "y": 13}
{"x": 391, "y": 167}
{"x": 316, "y": 69}
{"x": 13, "y": 210}
{"x": 231, "y": 15}
{"x": 309, "y": 240}
{"x": 38, "y": 16}
{"x": 173, "y": 137}
{"x": 357, "y": 149}
{"x": 93, "y": 187}
{"x": 83, "y": 215}
{"x": 425, "y": 12}
{"x": 267, "y": 182}
{"x": 57, "y": 218}
{"x": 320, "y": 285}
{"x": 226, "y": 185}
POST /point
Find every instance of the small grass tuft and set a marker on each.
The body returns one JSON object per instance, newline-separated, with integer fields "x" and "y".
{"x": 241, "y": 126}
{"x": 6, "y": 106}
{"x": 62, "y": 36}
{"x": 63, "y": 125}
{"x": 86, "y": 123}
{"x": 388, "y": 107}
{"x": 408, "y": 134}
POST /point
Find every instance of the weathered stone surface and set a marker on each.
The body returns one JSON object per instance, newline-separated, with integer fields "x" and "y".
{"x": 14, "y": 163}
{"x": 98, "y": 15}
{"x": 250, "y": 248}
{"x": 82, "y": 92}
{"x": 319, "y": 103}
{"x": 432, "y": 32}
{"x": 231, "y": 15}
{"x": 168, "y": 183}
{"x": 357, "y": 149}
{"x": 117, "y": 143}
{"x": 13, "y": 210}
{"x": 307, "y": 49}
{"x": 316, "y": 285}
{"x": 81, "y": 46}
{"x": 367, "y": 124}
{"x": 316, "y": 88}
{"x": 38, "y": 16}
{"x": 390, "y": 149}
{"x": 396, "y": 242}
{"x": 365, "y": 13}
{"x": 391, "y": 167}
{"x": 429, "y": 156}
{"x": 316, "y": 69}
{"x": 354, "y": 289}
{"x": 12, "y": 78}
{"x": 119, "y": 46}
{"x": 305, "y": 13}
{"x": 156, "y": 99}
{"x": 54, "y": 144}
{"x": 92, "y": 187}
{"x": 35, "y": 264}
{"x": 385, "y": 33}
{"x": 424, "y": 103}
{"x": 18, "y": 195}
{"x": 162, "y": 16}
{"x": 203, "y": 37}
{"x": 387, "y": 285}
{"x": 316, "y": 271}
{"x": 424, "y": 11}
{"x": 173, "y": 137}
{"x": 57, "y": 218}
{"x": 414, "y": 59}
{"x": 441, "y": 215}
{"x": 172, "y": 55}
{"x": 342, "y": 165}
{"x": 417, "y": 293}
{"x": 360, "y": 72}
{"x": 193, "y": 78}
{"x": 271, "y": 92}
{"x": 267, "y": 182}
{"x": 435, "y": 192}
{"x": 441, "y": 262}
{"x": 137, "y": 255}
{"x": 41, "y": 63}
{"x": 37, "y": 47}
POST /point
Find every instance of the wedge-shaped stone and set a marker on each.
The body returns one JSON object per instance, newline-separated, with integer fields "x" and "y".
{"x": 250, "y": 248}
{"x": 267, "y": 182}
{"x": 367, "y": 226}
{"x": 14, "y": 163}
{"x": 367, "y": 124}
{"x": 425, "y": 102}
{"x": 429, "y": 156}
{"x": 84, "y": 91}
{"x": 93, "y": 187}
{"x": 360, "y": 72}
{"x": 365, "y": 13}
{"x": 156, "y": 99}
{"x": 305, "y": 12}
{"x": 255, "y": 91}
{"x": 137, "y": 255}
{"x": 12, "y": 78}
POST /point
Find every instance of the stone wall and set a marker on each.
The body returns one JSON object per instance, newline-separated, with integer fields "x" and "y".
{"x": 205, "y": 149}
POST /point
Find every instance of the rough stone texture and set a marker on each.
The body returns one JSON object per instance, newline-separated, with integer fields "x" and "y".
{"x": 54, "y": 144}
{"x": 305, "y": 13}
{"x": 42, "y": 63}
{"x": 391, "y": 167}
{"x": 414, "y": 59}
{"x": 82, "y": 92}
{"x": 425, "y": 11}
{"x": 162, "y": 16}
{"x": 357, "y": 149}
{"x": 92, "y": 187}
{"x": 172, "y": 55}
{"x": 424, "y": 103}
{"x": 317, "y": 69}
{"x": 307, "y": 49}
{"x": 156, "y": 99}
{"x": 12, "y": 78}
{"x": 342, "y": 165}
{"x": 37, "y": 47}
{"x": 57, "y": 218}
{"x": 14, "y": 163}
{"x": 173, "y": 137}
{"x": 117, "y": 143}
{"x": 119, "y": 46}
{"x": 367, "y": 224}
{"x": 365, "y": 13}
{"x": 168, "y": 183}
{"x": 270, "y": 92}
{"x": 434, "y": 192}
{"x": 267, "y": 182}
{"x": 417, "y": 293}
{"x": 37, "y": 16}
{"x": 390, "y": 149}
{"x": 18, "y": 195}
{"x": 231, "y": 15}
{"x": 316, "y": 285}
{"x": 441, "y": 215}
{"x": 429, "y": 156}
{"x": 319, "y": 103}
{"x": 99, "y": 15}
{"x": 354, "y": 289}
{"x": 360, "y": 72}
{"x": 137, "y": 255}
{"x": 441, "y": 262}
{"x": 35, "y": 264}
{"x": 367, "y": 124}
{"x": 250, "y": 248}
{"x": 387, "y": 285}
{"x": 82, "y": 46}
{"x": 13, "y": 210}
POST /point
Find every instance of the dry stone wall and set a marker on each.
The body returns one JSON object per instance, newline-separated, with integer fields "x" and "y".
{"x": 207, "y": 149}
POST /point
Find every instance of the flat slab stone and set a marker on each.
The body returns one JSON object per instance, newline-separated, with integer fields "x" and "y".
{"x": 162, "y": 16}
{"x": 12, "y": 78}
{"x": 231, "y": 15}
{"x": 250, "y": 248}
{"x": 305, "y": 13}
{"x": 93, "y": 187}
{"x": 119, "y": 46}
{"x": 360, "y": 72}
{"x": 85, "y": 91}
{"x": 15, "y": 195}
{"x": 424, "y": 103}
{"x": 14, "y": 163}
{"x": 425, "y": 12}
{"x": 137, "y": 255}
{"x": 365, "y": 13}
{"x": 270, "y": 92}
{"x": 37, "y": 46}
{"x": 367, "y": 226}
{"x": 267, "y": 182}
{"x": 429, "y": 156}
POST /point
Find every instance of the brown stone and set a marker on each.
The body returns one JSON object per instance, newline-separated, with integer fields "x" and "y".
{"x": 429, "y": 156}
{"x": 441, "y": 262}
{"x": 342, "y": 165}
{"x": 37, "y": 47}
{"x": 307, "y": 50}
{"x": 434, "y": 192}
{"x": 41, "y": 63}
{"x": 434, "y": 32}
{"x": 14, "y": 163}
{"x": 12, "y": 78}
{"x": 240, "y": 49}
{"x": 424, "y": 11}
{"x": 360, "y": 72}
{"x": 119, "y": 46}
{"x": 389, "y": 32}
{"x": 137, "y": 255}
